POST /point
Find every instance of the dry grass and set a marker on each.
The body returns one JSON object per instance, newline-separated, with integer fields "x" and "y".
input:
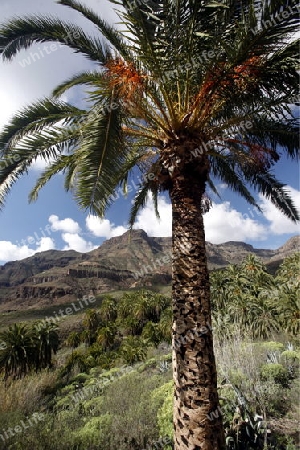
{"x": 28, "y": 394}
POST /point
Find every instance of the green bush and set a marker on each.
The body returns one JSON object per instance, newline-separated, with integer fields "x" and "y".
{"x": 163, "y": 396}
{"x": 273, "y": 346}
{"x": 94, "y": 432}
{"x": 135, "y": 418}
{"x": 275, "y": 372}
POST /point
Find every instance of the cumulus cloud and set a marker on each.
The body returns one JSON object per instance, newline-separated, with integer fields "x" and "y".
{"x": 148, "y": 221}
{"x": 46, "y": 243}
{"x": 279, "y": 223}
{"x": 224, "y": 223}
{"x": 103, "y": 227}
{"x": 67, "y": 225}
{"x": 76, "y": 242}
{"x": 15, "y": 252}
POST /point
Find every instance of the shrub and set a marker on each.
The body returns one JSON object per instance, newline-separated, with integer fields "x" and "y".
{"x": 273, "y": 346}
{"x": 163, "y": 396}
{"x": 275, "y": 372}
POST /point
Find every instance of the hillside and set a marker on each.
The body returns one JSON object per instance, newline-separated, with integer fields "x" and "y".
{"x": 123, "y": 262}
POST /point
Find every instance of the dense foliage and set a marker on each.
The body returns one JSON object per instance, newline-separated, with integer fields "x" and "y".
{"x": 100, "y": 394}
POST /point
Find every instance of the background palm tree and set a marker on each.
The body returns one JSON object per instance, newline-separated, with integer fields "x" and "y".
{"x": 106, "y": 336}
{"x": 108, "y": 310}
{"x": 168, "y": 98}
{"x": 46, "y": 341}
{"x": 133, "y": 349}
{"x": 152, "y": 333}
{"x": 73, "y": 339}
{"x": 91, "y": 323}
{"x": 19, "y": 355}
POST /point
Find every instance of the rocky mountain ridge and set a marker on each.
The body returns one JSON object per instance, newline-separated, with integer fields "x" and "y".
{"x": 128, "y": 261}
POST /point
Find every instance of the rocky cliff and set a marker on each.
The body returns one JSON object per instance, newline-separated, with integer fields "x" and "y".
{"x": 123, "y": 262}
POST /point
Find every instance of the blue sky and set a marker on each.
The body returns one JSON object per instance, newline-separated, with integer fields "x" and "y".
{"x": 55, "y": 220}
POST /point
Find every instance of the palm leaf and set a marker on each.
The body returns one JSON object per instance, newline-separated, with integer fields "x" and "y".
{"x": 35, "y": 118}
{"x": 20, "y": 34}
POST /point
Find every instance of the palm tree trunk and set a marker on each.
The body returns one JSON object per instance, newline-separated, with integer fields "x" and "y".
{"x": 197, "y": 418}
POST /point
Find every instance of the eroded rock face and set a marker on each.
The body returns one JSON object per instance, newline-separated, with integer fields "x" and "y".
{"x": 123, "y": 262}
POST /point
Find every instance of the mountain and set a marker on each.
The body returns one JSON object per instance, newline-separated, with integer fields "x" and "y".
{"x": 124, "y": 262}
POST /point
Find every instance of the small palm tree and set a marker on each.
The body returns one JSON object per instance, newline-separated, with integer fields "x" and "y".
{"x": 287, "y": 301}
{"x": 106, "y": 336}
{"x": 19, "y": 355}
{"x": 152, "y": 333}
{"x": 263, "y": 318}
{"x": 286, "y": 294}
{"x": 73, "y": 339}
{"x": 165, "y": 325}
{"x": 133, "y": 350}
{"x": 91, "y": 322}
{"x": 108, "y": 310}
{"x": 46, "y": 340}
{"x": 189, "y": 93}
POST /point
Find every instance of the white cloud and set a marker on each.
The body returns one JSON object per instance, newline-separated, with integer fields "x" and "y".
{"x": 224, "y": 223}
{"x": 148, "y": 221}
{"x": 279, "y": 223}
{"x": 46, "y": 243}
{"x": 103, "y": 227}
{"x": 14, "y": 252}
{"x": 76, "y": 242}
{"x": 67, "y": 225}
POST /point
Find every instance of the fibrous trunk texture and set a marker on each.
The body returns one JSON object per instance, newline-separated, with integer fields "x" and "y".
{"x": 194, "y": 365}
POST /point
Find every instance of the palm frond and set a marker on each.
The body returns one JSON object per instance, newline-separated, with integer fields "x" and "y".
{"x": 48, "y": 145}
{"x": 19, "y": 34}
{"x": 225, "y": 168}
{"x": 35, "y": 118}
{"x": 266, "y": 183}
{"x": 88, "y": 78}
{"x": 100, "y": 156}
{"x": 138, "y": 203}
{"x": 110, "y": 33}
{"x": 61, "y": 164}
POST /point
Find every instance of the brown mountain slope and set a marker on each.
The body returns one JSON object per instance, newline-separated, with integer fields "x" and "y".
{"x": 122, "y": 262}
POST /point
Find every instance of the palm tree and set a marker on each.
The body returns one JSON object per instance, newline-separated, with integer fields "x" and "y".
{"x": 286, "y": 299}
{"x": 73, "y": 340}
{"x": 46, "y": 340}
{"x": 152, "y": 333}
{"x": 286, "y": 294}
{"x": 108, "y": 310}
{"x": 190, "y": 92}
{"x": 165, "y": 325}
{"x": 19, "y": 354}
{"x": 263, "y": 318}
{"x": 91, "y": 322}
{"x": 106, "y": 336}
{"x": 133, "y": 350}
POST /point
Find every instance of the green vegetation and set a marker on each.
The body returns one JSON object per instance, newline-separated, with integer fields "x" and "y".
{"x": 27, "y": 348}
{"x": 185, "y": 94}
{"x": 110, "y": 385}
